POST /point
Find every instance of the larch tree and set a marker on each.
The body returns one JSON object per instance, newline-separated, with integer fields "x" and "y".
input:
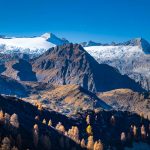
{"x": 143, "y": 132}
{"x": 98, "y": 145}
{"x": 83, "y": 143}
{"x": 5, "y": 144}
{"x": 88, "y": 119}
{"x": 50, "y": 123}
{"x": 60, "y": 128}
{"x": 123, "y": 137}
{"x": 89, "y": 130}
{"x": 113, "y": 120}
{"x": 90, "y": 143}
{"x": 37, "y": 118}
{"x": 73, "y": 133}
{"x": 35, "y": 135}
{"x": 1, "y": 116}
{"x": 44, "y": 121}
{"x": 134, "y": 131}
{"x": 14, "y": 120}
{"x": 14, "y": 148}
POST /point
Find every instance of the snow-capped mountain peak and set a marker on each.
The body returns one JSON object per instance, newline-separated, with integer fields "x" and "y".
{"x": 140, "y": 42}
{"x": 50, "y": 37}
{"x": 33, "y": 46}
{"x": 46, "y": 35}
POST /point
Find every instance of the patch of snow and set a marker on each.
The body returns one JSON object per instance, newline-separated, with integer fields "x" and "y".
{"x": 114, "y": 52}
{"x": 34, "y": 45}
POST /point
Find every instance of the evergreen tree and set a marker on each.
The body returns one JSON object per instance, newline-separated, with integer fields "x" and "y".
{"x": 5, "y": 144}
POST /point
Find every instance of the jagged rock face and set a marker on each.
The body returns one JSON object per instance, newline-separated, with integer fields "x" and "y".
{"x": 71, "y": 64}
{"x": 131, "y": 58}
{"x": 64, "y": 65}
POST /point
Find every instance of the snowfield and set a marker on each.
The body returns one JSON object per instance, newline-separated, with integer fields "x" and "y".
{"x": 25, "y": 45}
{"x": 130, "y": 60}
{"x": 34, "y": 45}
{"x": 114, "y": 52}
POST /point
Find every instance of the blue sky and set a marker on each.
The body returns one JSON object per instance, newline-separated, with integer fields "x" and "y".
{"x": 77, "y": 20}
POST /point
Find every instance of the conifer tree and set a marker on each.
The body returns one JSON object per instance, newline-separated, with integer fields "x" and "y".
{"x": 143, "y": 132}
{"x": 123, "y": 137}
{"x": 60, "y": 128}
{"x": 89, "y": 130}
{"x": 134, "y": 131}
{"x": 50, "y": 123}
{"x": 113, "y": 120}
{"x": 1, "y": 116}
{"x": 5, "y": 144}
{"x": 14, "y": 120}
{"x": 73, "y": 133}
{"x": 90, "y": 144}
{"x": 98, "y": 145}
{"x": 44, "y": 121}
{"x": 83, "y": 143}
{"x": 35, "y": 135}
{"x": 14, "y": 148}
{"x": 88, "y": 119}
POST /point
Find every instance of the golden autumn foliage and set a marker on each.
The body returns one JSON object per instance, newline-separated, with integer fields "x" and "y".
{"x": 88, "y": 119}
{"x": 90, "y": 144}
{"x": 123, "y": 137}
{"x": 14, "y": 120}
{"x": 35, "y": 135}
{"x": 83, "y": 143}
{"x": 134, "y": 131}
{"x": 98, "y": 145}
{"x": 73, "y": 133}
{"x": 60, "y": 127}
{"x": 44, "y": 121}
{"x": 89, "y": 130}
{"x": 143, "y": 132}
{"x": 38, "y": 105}
{"x": 1, "y": 116}
{"x": 50, "y": 123}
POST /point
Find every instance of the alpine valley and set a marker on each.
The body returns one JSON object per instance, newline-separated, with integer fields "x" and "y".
{"x": 61, "y": 95}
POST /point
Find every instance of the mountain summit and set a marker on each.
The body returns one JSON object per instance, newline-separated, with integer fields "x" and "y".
{"x": 50, "y": 37}
{"x": 71, "y": 64}
{"x": 32, "y": 46}
{"x": 131, "y": 58}
{"x": 142, "y": 43}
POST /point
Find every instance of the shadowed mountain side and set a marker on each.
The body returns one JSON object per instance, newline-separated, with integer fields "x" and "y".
{"x": 10, "y": 86}
{"x": 25, "y": 72}
{"x": 105, "y": 125}
{"x": 71, "y": 64}
{"x": 26, "y": 116}
{"x": 18, "y": 69}
{"x": 2, "y": 68}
